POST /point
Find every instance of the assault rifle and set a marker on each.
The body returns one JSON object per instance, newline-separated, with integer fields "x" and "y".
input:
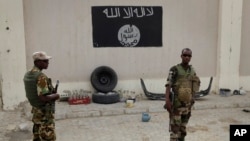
{"x": 53, "y": 104}
{"x": 171, "y": 97}
{"x": 50, "y": 106}
{"x": 56, "y": 87}
{"x": 172, "y": 109}
{"x": 171, "y": 94}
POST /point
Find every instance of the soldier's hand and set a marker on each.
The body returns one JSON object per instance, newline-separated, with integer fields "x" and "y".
{"x": 53, "y": 91}
{"x": 53, "y": 97}
{"x": 192, "y": 102}
{"x": 165, "y": 106}
{"x": 168, "y": 106}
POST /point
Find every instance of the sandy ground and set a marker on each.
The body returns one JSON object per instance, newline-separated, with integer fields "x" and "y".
{"x": 205, "y": 125}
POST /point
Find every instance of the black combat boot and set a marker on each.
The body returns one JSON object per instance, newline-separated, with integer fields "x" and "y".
{"x": 181, "y": 139}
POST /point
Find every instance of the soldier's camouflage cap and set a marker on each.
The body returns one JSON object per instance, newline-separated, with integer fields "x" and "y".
{"x": 40, "y": 55}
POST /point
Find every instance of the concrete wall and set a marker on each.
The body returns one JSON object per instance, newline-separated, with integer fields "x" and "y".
{"x": 245, "y": 46}
{"x": 229, "y": 42}
{"x": 63, "y": 29}
{"x": 12, "y": 53}
{"x": 245, "y": 49}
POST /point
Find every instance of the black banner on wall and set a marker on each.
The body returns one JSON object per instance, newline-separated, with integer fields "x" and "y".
{"x": 127, "y": 26}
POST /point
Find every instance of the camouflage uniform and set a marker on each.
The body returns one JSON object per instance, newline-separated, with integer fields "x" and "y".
{"x": 184, "y": 84}
{"x": 43, "y": 117}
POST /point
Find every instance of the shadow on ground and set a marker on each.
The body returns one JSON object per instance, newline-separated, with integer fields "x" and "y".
{"x": 19, "y": 135}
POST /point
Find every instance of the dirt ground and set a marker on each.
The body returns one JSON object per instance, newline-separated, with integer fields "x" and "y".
{"x": 205, "y": 125}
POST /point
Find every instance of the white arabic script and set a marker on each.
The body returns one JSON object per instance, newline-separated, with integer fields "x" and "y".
{"x": 129, "y": 12}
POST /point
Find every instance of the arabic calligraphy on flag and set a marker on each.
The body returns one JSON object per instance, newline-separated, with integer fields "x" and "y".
{"x": 127, "y": 26}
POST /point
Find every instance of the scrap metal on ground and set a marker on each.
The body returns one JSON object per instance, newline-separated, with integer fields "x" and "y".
{"x": 161, "y": 96}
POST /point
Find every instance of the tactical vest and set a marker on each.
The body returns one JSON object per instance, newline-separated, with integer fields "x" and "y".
{"x": 187, "y": 83}
{"x": 30, "y": 83}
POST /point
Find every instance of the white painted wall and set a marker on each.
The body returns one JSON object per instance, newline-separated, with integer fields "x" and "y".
{"x": 244, "y": 69}
{"x": 229, "y": 44}
{"x": 63, "y": 29}
{"x": 12, "y": 53}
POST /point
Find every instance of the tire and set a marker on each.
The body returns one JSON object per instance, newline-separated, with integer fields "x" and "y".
{"x": 236, "y": 92}
{"x": 104, "y": 79}
{"x": 106, "y": 98}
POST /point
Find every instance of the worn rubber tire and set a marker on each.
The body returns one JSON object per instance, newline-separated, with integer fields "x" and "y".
{"x": 236, "y": 92}
{"x": 106, "y": 98}
{"x": 104, "y": 79}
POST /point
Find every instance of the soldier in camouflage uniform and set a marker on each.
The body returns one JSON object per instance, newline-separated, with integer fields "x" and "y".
{"x": 184, "y": 83}
{"x": 41, "y": 94}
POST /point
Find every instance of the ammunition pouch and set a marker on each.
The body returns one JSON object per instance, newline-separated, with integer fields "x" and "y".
{"x": 52, "y": 90}
{"x": 50, "y": 106}
{"x": 183, "y": 90}
{"x": 49, "y": 109}
{"x": 185, "y": 94}
{"x": 196, "y": 84}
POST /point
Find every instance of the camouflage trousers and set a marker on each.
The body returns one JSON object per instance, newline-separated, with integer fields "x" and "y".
{"x": 178, "y": 122}
{"x": 44, "y": 125}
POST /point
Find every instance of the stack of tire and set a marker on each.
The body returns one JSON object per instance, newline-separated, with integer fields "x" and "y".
{"x": 104, "y": 80}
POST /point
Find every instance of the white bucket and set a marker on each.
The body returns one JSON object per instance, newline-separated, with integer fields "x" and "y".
{"x": 129, "y": 103}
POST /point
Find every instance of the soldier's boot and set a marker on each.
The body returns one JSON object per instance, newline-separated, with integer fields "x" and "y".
{"x": 173, "y": 137}
{"x": 181, "y": 139}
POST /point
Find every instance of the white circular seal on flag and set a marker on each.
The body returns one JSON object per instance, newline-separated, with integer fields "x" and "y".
{"x": 129, "y": 35}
